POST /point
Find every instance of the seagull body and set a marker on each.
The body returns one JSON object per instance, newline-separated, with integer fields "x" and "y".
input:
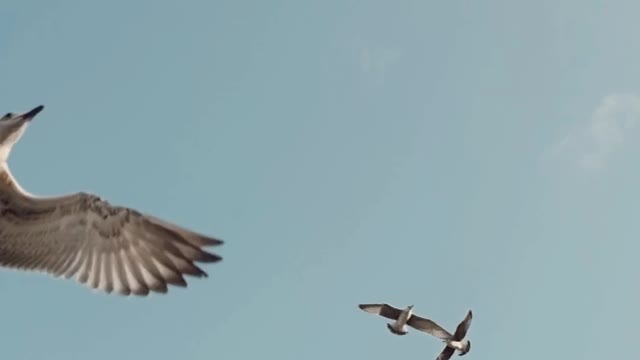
{"x": 399, "y": 327}
{"x": 106, "y": 247}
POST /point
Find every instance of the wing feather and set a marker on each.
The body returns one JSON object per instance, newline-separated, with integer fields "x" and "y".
{"x": 96, "y": 270}
{"x": 463, "y": 327}
{"x": 384, "y": 310}
{"x": 105, "y": 247}
{"x": 446, "y": 353}
{"x": 429, "y": 326}
{"x": 123, "y": 277}
{"x": 107, "y": 273}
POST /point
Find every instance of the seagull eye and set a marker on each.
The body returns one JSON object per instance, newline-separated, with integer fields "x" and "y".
{"x": 8, "y": 115}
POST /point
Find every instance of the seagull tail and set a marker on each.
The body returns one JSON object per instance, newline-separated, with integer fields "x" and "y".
{"x": 394, "y": 331}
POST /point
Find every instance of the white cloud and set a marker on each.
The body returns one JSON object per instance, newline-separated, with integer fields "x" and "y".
{"x": 611, "y": 124}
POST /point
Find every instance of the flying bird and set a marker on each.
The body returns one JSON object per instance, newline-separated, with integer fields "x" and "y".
{"x": 402, "y": 317}
{"x": 454, "y": 342}
{"x": 106, "y": 247}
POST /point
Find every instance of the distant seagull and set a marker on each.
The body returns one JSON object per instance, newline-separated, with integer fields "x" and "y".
{"x": 454, "y": 342}
{"x": 106, "y": 247}
{"x": 401, "y": 317}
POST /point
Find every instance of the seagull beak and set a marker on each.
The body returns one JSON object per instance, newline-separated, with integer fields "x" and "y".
{"x": 32, "y": 113}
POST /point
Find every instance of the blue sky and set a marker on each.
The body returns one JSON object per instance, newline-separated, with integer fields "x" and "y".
{"x": 454, "y": 155}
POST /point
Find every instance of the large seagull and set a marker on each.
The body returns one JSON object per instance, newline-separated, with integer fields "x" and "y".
{"x": 106, "y": 247}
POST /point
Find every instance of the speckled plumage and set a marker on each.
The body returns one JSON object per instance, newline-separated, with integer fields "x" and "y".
{"x": 106, "y": 247}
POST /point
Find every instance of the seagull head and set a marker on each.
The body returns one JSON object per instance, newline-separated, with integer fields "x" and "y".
{"x": 410, "y": 307}
{"x": 12, "y": 126}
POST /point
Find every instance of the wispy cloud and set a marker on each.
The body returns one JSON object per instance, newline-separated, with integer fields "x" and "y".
{"x": 592, "y": 145}
{"x": 376, "y": 61}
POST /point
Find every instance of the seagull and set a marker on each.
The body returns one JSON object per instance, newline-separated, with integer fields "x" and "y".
{"x": 454, "y": 342}
{"x": 401, "y": 317}
{"x": 106, "y": 247}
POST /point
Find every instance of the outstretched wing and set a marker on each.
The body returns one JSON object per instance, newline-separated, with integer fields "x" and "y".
{"x": 429, "y": 326}
{"x": 446, "y": 353}
{"x": 107, "y": 247}
{"x": 463, "y": 327}
{"x": 384, "y": 310}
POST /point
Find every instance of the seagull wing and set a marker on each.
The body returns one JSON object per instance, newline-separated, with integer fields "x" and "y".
{"x": 104, "y": 246}
{"x": 384, "y": 310}
{"x": 429, "y": 326}
{"x": 463, "y": 327}
{"x": 446, "y": 353}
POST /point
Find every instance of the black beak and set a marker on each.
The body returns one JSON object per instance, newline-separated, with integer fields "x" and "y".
{"x": 32, "y": 113}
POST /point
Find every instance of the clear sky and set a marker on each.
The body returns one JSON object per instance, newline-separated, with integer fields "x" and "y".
{"x": 451, "y": 154}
